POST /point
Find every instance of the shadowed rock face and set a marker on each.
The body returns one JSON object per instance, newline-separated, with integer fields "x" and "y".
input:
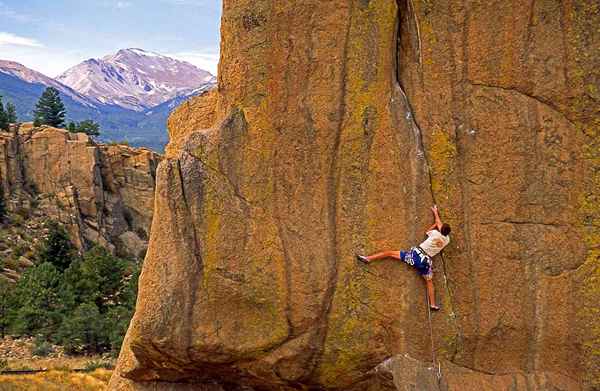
{"x": 335, "y": 126}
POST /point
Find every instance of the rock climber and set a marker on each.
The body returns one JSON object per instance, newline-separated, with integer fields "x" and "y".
{"x": 420, "y": 257}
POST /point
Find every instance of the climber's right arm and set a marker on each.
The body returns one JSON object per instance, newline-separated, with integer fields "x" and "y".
{"x": 436, "y": 215}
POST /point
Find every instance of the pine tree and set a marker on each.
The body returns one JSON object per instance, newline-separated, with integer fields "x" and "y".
{"x": 11, "y": 113}
{"x": 97, "y": 277}
{"x": 57, "y": 249}
{"x": 37, "y": 305}
{"x": 85, "y": 330}
{"x": 49, "y": 110}
{"x": 3, "y": 117}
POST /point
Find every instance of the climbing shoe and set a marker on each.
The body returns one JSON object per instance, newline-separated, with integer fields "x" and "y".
{"x": 362, "y": 258}
{"x": 434, "y": 307}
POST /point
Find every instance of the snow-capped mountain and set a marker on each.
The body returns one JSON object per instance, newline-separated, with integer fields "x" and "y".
{"x": 135, "y": 79}
{"x": 30, "y": 76}
{"x": 130, "y": 94}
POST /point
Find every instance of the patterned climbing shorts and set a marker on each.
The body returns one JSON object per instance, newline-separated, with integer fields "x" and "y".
{"x": 414, "y": 258}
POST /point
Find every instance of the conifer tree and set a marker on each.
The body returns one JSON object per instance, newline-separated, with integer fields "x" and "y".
{"x": 37, "y": 306}
{"x": 57, "y": 249}
{"x": 3, "y": 117}
{"x": 50, "y": 109}
{"x": 11, "y": 113}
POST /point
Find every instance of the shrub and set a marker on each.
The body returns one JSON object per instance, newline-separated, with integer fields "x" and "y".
{"x": 25, "y": 213}
{"x": 119, "y": 142}
{"x": 88, "y": 127}
{"x": 42, "y": 348}
{"x": 17, "y": 220}
{"x": 91, "y": 366}
{"x": 20, "y": 249}
{"x": 5, "y": 303}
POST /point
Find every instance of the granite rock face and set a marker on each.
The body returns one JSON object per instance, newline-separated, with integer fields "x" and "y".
{"x": 335, "y": 126}
{"x": 101, "y": 193}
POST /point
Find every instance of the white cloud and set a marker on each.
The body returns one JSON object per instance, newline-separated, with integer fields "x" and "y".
{"x": 124, "y": 4}
{"x": 49, "y": 61}
{"x": 16, "y": 40}
{"x": 204, "y": 59}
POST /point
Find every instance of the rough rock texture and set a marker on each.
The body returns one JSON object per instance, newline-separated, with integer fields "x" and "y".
{"x": 102, "y": 193}
{"x": 196, "y": 113}
{"x": 336, "y": 125}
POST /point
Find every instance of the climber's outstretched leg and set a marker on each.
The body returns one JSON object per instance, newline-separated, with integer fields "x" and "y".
{"x": 381, "y": 255}
{"x": 431, "y": 294}
{"x": 413, "y": 259}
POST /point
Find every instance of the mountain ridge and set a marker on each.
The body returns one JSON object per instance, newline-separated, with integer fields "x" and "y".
{"x": 134, "y": 78}
{"x": 144, "y": 127}
{"x": 29, "y": 75}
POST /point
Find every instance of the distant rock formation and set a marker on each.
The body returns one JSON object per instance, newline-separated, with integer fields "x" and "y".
{"x": 102, "y": 193}
{"x": 335, "y": 126}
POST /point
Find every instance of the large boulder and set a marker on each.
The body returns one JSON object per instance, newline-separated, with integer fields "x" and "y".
{"x": 335, "y": 126}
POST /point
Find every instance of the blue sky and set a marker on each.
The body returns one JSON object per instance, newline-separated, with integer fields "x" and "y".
{"x": 53, "y": 35}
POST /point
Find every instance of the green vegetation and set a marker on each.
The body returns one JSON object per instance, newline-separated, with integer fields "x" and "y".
{"x": 11, "y": 113}
{"x": 82, "y": 302}
{"x": 3, "y": 210}
{"x": 91, "y": 366}
{"x": 57, "y": 249}
{"x": 42, "y": 348}
{"x": 50, "y": 109}
{"x": 119, "y": 142}
{"x": 5, "y": 295}
{"x": 88, "y": 127}
{"x": 3, "y": 116}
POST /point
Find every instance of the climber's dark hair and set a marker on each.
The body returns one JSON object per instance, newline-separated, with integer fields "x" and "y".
{"x": 445, "y": 229}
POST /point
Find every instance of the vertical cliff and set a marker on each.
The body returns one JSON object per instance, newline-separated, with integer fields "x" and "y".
{"x": 335, "y": 126}
{"x": 102, "y": 193}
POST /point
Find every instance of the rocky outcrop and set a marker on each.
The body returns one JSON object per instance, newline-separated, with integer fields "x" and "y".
{"x": 196, "y": 113}
{"x": 336, "y": 125}
{"x": 102, "y": 193}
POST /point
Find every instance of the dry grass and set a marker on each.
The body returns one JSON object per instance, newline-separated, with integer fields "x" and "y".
{"x": 60, "y": 363}
{"x": 59, "y": 377}
{"x": 57, "y": 381}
